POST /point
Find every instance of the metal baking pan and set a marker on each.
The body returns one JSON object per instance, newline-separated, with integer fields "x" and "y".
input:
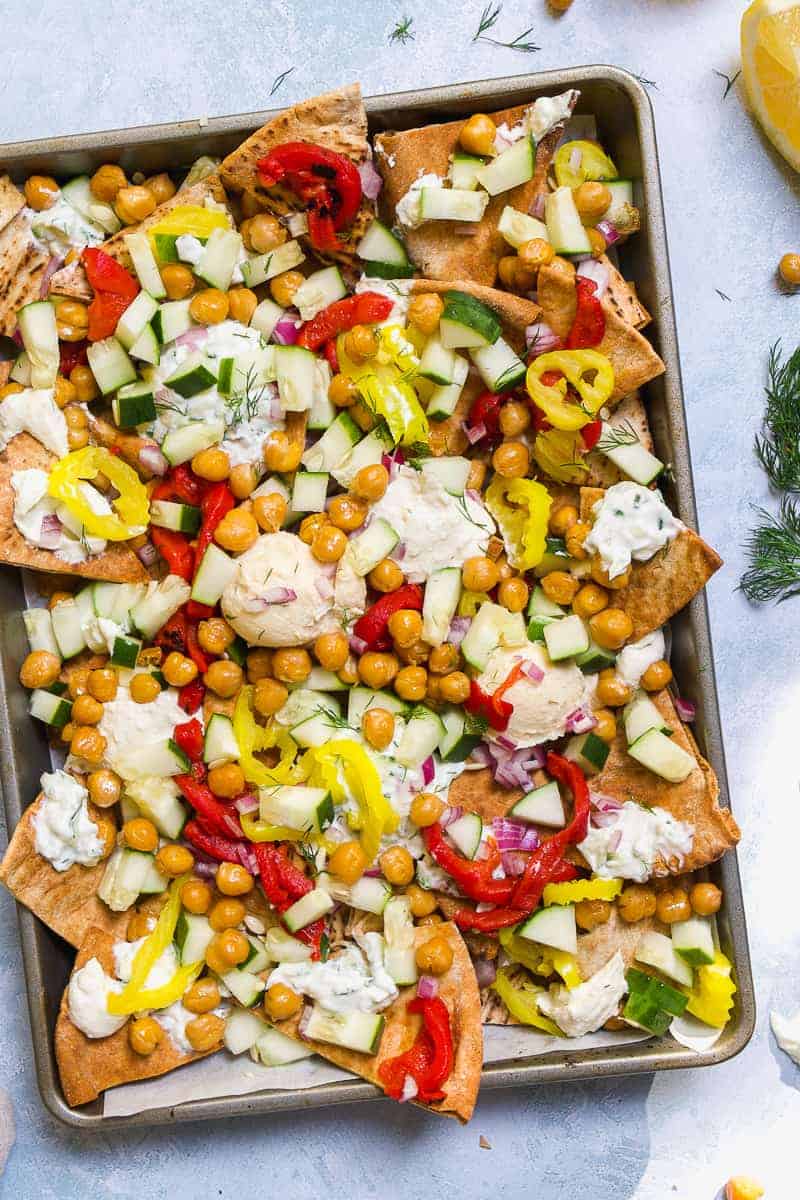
{"x": 625, "y": 124}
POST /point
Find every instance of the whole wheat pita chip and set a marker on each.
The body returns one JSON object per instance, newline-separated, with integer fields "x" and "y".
{"x": 438, "y": 248}
{"x": 22, "y": 269}
{"x": 634, "y": 360}
{"x": 459, "y": 991}
{"x": 336, "y": 120}
{"x": 118, "y": 563}
{"x": 664, "y": 584}
{"x": 621, "y": 294}
{"x": 89, "y": 1066}
{"x": 629, "y": 415}
{"x": 12, "y": 201}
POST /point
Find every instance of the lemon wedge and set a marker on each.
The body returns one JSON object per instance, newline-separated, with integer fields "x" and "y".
{"x": 771, "y": 69}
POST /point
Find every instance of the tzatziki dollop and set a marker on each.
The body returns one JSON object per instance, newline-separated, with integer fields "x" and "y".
{"x": 87, "y": 1000}
{"x": 630, "y": 522}
{"x": 588, "y": 1006}
{"x": 64, "y": 833}
{"x": 629, "y": 845}
{"x": 353, "y": 980}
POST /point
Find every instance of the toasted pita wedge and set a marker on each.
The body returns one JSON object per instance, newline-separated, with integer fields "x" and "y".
{"x": 437, "y": 248}
{"x": 22, "y": 269}
{"x": 695, "y": 800}
{"x": 630, "y": 413}
{"x": 459, "y": 990}
{"x": 71, "y": 281}
{"x": 664, "y": 584}
{"x": 621, "y": 294}
{"x": 12, "y": 201}
{"x": 336, "y": 120}
{"x": 118, "y": 563}
{"x": 89, "y": 1066}
{"x": 634, "y": 360}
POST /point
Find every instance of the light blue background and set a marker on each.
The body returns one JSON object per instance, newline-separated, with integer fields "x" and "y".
{"x": 731, "y": 211}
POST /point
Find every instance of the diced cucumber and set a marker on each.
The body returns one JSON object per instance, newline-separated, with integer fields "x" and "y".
{"x": 78, "y": 193}
{"x": 443, "y": 400}
{"x": 308, "y": 908}
{"x": 37, "y": 326}
{"x": 220, "y": 255}
{"x": 296, "y": 807}
{"x": 144, "y": 263}
{"x": 320, "y": 680}
{"x": 46, "y": 706}
{"x": 437, "y": 363}
{"x": 467, "y": 322}
{"x": 244, "y": 987}
{"x": 134, "y": 404}
{"x": 421, "y": 736}
{"x": 67, "y": 619}
{"x": 110, "y": 365}
{"x": 193, "y": 933}
{"x": 274, "y": 262}
{"x": 595, "y": 658}
{"x": 652, "y": 1003}
{"x": 257, "y": 959}
{"x": 137, "y": 315}
{"x": 160, "y": 758}
{"x": 39, "y": 628}
{"x": 128, "y": 811}
{"x": 442, "y": 593}
{"x": 182, "y": 518}
{"x": 242, "y": 1030}
{"x": 366, "y": 453}
{"x": 154, "y": 883}
{"x": 589, "y": 751}
{"x": 622, "y": 447}
{"x": 621, "y": 196}
{"x": 126, "y": 651}
{"x": 451, "y": 204}
{"x": 357, "y": 1031}
{"x": 146, "y": 348}
{"x": 359, "y": 699}
{"x": 309, "y": 716}
{"x": 158, "y": 800}
{"x": 215, "y": 572}
{"x": 491, "y": 626}
{"x": 462, "y": 733}
{"x": 158, "y": 604}
{"x": 463, "y": 171}
{"x": 126, "y": 871}
{"x": 509, "y": 169}
{"x": 182, "y": 444}
{"x": 322, "y": 413}
{"x": 282, "y": 947}
{"x": 640, "y": 714}
{"x": 500, "y": 367}
{"x": 398, "y": 930}
{"x": 219, "y": 743}
{"x": 540, "y": 606}
{"x": 369, "y": 548}
{"x": 542, "y": 806}
{"x": 104, "y": 598}
{"x": 465, "y": 833}
{"x": 266, "y": 317}
{"x": 275, "y": 1049}
{"x": 194, "y": 375}
{"x": 519, "y": 227}
{"x": 369, "y": 894}
{"x": 310, "y": 491}
{"x": 320, "y": 289}
{"x": 127, "y": 595}
{"x": 172, "y": 319}
{"x": 565, "y": 231}
{"x": 553, "y": 926}
{"x": 656, "y": 950}
{"x": 21, "y": 370}
{"x": 566, "y": 638}
{"x": 296, "y": 370}
{"x": 693, "y": 940}
{"x": 662, "y": 756}
{"x": 380, "y": 246}
{"x": 334, "y": 446}
{"x": 451, "y": 471}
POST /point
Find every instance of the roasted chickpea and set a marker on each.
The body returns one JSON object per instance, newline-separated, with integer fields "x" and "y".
{"x": 209, "y": 307}
{"x": 144, "y": 688}
{"x": 592, "y": 199}
{"x": 212, "y": 464}
{"x": 75, "y": 417}
{"x": 89, "y": 743}
{"x": 377, "y": 725}
{"x": 559, "y": 586}
{"x": 606, "y": 727}
{"x": 280, "y": 1002}
{"x": 433, "y": 918}
{"x": 612, "y": 691}
{"x": 233, "y": 879}
{"x": 310, "y": 525}
{"x": 705, "y": 899}
{"x": 78, "y": 681}
{"x": 600, "y": 575}
{"x": 444, "y": 658}
{"x": 291, "y": 665}
{"x": 196, "y": 896}
{"x": 242, "y": 480}
{"x": 205, "y": 1032}
{"x": 479, "y": 574}
{"x": 139, "y": 925}
{"x": 12, "y": 389}
{"x": 215, "y": 635}
{"x": 342, "y": 391}
{"x": 72, "y": 321}
{"x": 174, "y": 860}
{"x": 513, "y": 594}
{"x": 657, "y": 676}
{"x": 434, "y": 957}
{"x": 64, "y": 393}
{"x": 86, "y": 710}
{"x": 673, "y": 906}
{"x": 178, "y": 280}
{"x": 789, "y": 269}
{"x": 535, "y": 254}
{"x": 262, "y": 233}
{"x": 347, "y": 513}
{"x": 426, "y": 809}
{"x": 106, "y": 182}
{"x": 371, "y": 482}
{"x": 58, "y": 598}
{"x": 332, "y": 650}
{"x": 284, "y": 287}
{"x": 144, "y": 1034}
{"x": 422, "y": 902}
{"x": 178, "y": 670}
{"x": 574, "y": 538}
{"x": 386, "y": 577}
{"x": 202, "y": 996}
{"x": 39, "y": 670}
{"x": 636, "y": 902}
{"x": 597, "y": 242}
{"x": 104, "y": 788}
{"x": 611, "y": 628}
{"x": 348, "y": 862}
{"x": 237, "y": 531}
{"x": 133, "y": 204}
{"x": 281, "y": 454}
{"x": 415, "y": 654}
{"x": 515, "y": 275}
{"x": 226, "y": 914}
{"x": 425, "y": 311}
{"x": 360, "y": 343}
{"x": 223, "y": 677}
{"x": 107, "y": 835}
{"x": 329, "y": 544}
{"x": 362, "y": 416}
{"x": 140, "y": 834}
{"x": 477, "y": 134}
{"x": 560, "y": 5}
{"x": 591, "y": 913}
{"x": 242, "y": 303}
{"x": 84, "y": 383}
{"x": 405, "y": 626}
{"x": 511, "y": 460}
{"x": 160, "y": 187}
{"x": 376, "y": 669}
{"x": 269, "y": 696}
{"x": 410, "y": 683}
{"x": 397, "y": 865}
{"x": 590, "y": 600}
{"x": 259, "y": 664}
{"x": 68, "y": 732}
{"x": 226, "y": 780}
{"x": 477, "y": 475}
{"x": 41, "y": 192}
{"x": 454, "y": 688}
{"x": 515, "y": 417}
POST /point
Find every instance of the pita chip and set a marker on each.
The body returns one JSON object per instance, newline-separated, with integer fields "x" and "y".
{"x": 89, "y": 1066}
{"x": 438, "y": 248}
{"x": 22, "y": 269}
{"x": 621, "y": 295}
{"x": 12, "y": 201}
{"x": 630, "y": 414}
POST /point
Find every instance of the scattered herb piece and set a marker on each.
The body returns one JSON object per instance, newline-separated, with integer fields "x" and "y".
{"x": 730, "y": 80}
{"x": 402, "y": 31}
{"x": 774, "y": 552}
{"x": 280, "y": 79}
{"x": 488, "y": 21}
{"x": 723, "y": 295}
{"x": 778, "y": 448}
{"x": 646, "y": 82}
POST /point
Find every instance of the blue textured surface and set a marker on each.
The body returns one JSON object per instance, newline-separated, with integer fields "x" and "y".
{"x": 731, "y": 212}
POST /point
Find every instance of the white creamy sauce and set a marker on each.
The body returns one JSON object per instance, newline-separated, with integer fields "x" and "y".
{"x": 629, "y": 845}
{"x": 540, "y": 708}
{"x": 634, "y": 659}
{"x": 435, "y": 529}
{"x": 57, "y": 229}
{"x": 34, "y": 411}
{"x": 161, "y": 971}
{"x": 130, "y": 729}
{"x": 408, "y": 207}
{"x": 787, "y": 1034}
{"x": 87, "y": 1000}
{"x": 64, "y": 833}
{"x": 396, "y": 290}
{"x": 588, "y": 1006}
{"x": 548, "y": 111}
{"x": 353, "y": 980}
{"x": 630, "y": 522}
{"x": 100, "y": 634}
{"x": 32, "y": 503}
{"x": 174, "y": 1019}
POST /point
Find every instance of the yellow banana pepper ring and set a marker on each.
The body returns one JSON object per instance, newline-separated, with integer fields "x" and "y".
{"x": 470, "y": 602}
{"x": 575, "y": 366}
{"x": 261, "y": 831}
{"x": 251, "y": 737}
{"x": 375, "y": 815}
{"x": 385, "y": 390}
{"x": 193, "y": 219}
{"x": 521, "y": 508}
{"x": 711, "y": 997}
{"x": 542, "y": 960}
{"x": 581, "y": 889}
{"x": 521, "y": 1002}
{"x": 135, "y": 997}
{"x": 576, "y": 161}
{"x": 132, "y": 511}
{"x": 560, "y": 455}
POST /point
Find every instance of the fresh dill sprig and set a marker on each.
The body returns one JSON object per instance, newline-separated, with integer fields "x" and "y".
{"x": 722, "y": 295}
{"x": 172, "y": 406}
{"x": 773, "y": 548}
{"x": 730, "y": 80}
{"x": 402, "y": 31}
{"x": 280, "y": 79}
{"x": 779, "y": 447}
{"x": 616, "y": 436}
{"x": 245, "y": 404}
{"x": 647, "y": 82}
{"x": 488, "y": 20}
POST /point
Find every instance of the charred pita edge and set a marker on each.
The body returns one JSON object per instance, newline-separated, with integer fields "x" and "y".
{"x": 12, "y": 201}
{"x": 22, "y": 268}
{"x": 630, "y": 415}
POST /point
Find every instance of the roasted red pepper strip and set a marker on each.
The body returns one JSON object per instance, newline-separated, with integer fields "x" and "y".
{"x": 114, "y": 289}
{"x": 212, "y": 815}
{"x": 193, "y": 648}
{"x": 365, "y": 308}
{"x": 328, "y": 183}
{"x": 180, "y": 484}
{"x": 589, "y": 326}
{"x": 481, "y": 704}
{"x": 196, "y": 611}
{"x": 283, "y": 883}
{"x": 485, "y": 411}
{"x": 429, "y": 1061}
{"x": 591, "y": 433}
{"x": 217, "y": 501}
{"x": 175, "y": 549}
{"x": 220, "y": 848}
{"x": 172, "y": 634}
{"x": 329, "y": 350}
{"x": 499, "y": 918}
{"x": 571, "y": 776}
{"x": 189, "y": 737}
{"x": 372, "y": 626}
{"x": 71, "y": 355}
{"x": 190, "y": 697}
{"x": 473, "y": 877}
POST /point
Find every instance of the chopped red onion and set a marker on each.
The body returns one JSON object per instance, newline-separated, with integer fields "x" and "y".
{"x": 357, "y": 644}
{"x": 285, "y": 332}
{"x": 530, "y": 840}
{"x": 604, "y": 803}
{"x": 278, "y": 595}
{"x": 513, "y": 862}
{"x": 535, "y": 760}
{"x": 575, "y": 159}
{"x": 537, "y": 207}
{"x": 410, "y": 1089}
{"x": 55, "y": 262}
{"x": 609, "y": 231}
{"x": 596, "y": 271}
{"x": 206, "y": 870}
{"x": 373, "y": 872}
{"x": 614, "y": 841}
{"x": 194, "y": 338}
{"x": 510, "y": 834}
{"x": 324, "y": 586}
{"x": 458, "y": 630}
{"x": 247, "y": 858}
{"x": 466, "y": 228}
{"x": 507, "y": 743}
{"x": 151, "y": 458}
{"x": 371, "y": 182}
{"x": 603, "y": 820}
{"x": 246, "y": 803}
{"x": 392, "y": 462}
{"x": 541, "y": 338}
{"x": 147, "y": 554}
{"x": 50, "y": 532}
{"x": 399, "y": 552}
{"x": 450, "y": 815}
{"x": 481, "y": 754}
{"x": 428, "y": 987}
{"x": 474, "y": 432}
{"x": 473, "y": 494}
{"x": 485, "y": 971}
{"x": 532, "y": 670}
{"x": 580, "y": 721}
{"x": 428, "y": 770}
{"x": 686, "y": 709}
